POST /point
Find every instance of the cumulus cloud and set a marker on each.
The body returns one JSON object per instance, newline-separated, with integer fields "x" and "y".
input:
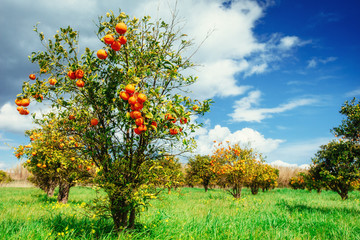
{"x": 245, "y": 137}
{"x": 245, "y": 112}
{"x": 279, "y": 163}
{"x": 354, "y": 93}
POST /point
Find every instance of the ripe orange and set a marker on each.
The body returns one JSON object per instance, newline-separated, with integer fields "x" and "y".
{"x": 25, "y": 102}
{"x": 116, "y": 45}
{"x": 32, "y": 76}
{"x": 130, "y": 89}
{"x": 72, "y": 159}
{"x": 39, "y": 164}
{"x": 132, "y": 100}
{"x": 139, "y": 121}
{"x": 136, "y": 114}
{"x": 137, "y": 106}
{"x": 142, "y": 98}
{"x": 71, "y": 117}
{"x": 18, "y": 102}
{"x": 121, "y": 28}
{"x": 124, "y": 95}
{"x": 19, "y": 108}
{"x": 142, "y": 128}
{"x": 52, "y": 81}
{"x": 183, "y": 120}
{"x": 80, "y": 83}
{"x": 102, "y": 54}
{"x": 79, "y": 73}
{"x": 137, "y": 131}
{"x": 122, "y": 40}
{"x": 154, "y": 124}
{"x": 109, "y": 39}
{"x": 43, "y": 70}
{"x": 71, "y": 75}
{"x": 94, "y": 122}
{"x": 173, "y": 131}
{"x": 195, "y": 107}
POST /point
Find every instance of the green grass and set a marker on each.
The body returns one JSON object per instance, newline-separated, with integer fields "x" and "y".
{"x": 26, "y": 213}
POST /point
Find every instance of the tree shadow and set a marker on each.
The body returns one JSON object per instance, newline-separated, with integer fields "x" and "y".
{"x": 303, "y": 208}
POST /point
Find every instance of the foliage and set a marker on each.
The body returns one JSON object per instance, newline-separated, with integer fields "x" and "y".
{"x": 350, "y": 126}
{"x": 235, "y": 167}
{"x": 53, "y": 157}
{"x": 4, "y": 177}
{"x": 298, "y": 182}
{"x": 265, "y": 177}
{"x": 121, "y": 131}
{"x": 339, "y": 166}
{"x": 199, "y": 171}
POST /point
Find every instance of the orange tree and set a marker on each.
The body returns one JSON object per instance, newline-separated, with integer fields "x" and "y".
{"x": 264, "y": 177}
{"x": 199, "y": 171}
{"x": 298, "y": 182}
{"x": 126, "y": 99}
{"x": 234, "y": 167}
{"x": 54, "y": 159}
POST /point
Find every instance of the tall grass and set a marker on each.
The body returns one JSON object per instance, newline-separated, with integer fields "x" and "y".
{"x": 26, "y": 213}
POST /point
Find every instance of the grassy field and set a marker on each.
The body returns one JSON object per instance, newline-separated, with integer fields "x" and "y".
{"x": 26, "y": 213}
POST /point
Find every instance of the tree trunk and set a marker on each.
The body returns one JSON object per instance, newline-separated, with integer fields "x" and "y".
{"x": 254, "y": 190}
{"x": 64, "y": 189}
{"x": 206, "y": 187}
{"x": 50, "y": 190}
{"x": 169, "y": 190}
{"x": 132, "y": 218}
{"x": 237, "y": 191}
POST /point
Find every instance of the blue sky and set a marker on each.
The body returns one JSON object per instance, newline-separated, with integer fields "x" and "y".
{"x": 278, "y": 71}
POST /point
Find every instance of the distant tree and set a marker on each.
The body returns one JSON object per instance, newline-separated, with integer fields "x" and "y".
{"x": 313, "y": 179}
{"x": 298, "y": 182}
{"x": 199, "y": 170}
{"x": 4, "y": 177}
{"x": 339, "y": 166}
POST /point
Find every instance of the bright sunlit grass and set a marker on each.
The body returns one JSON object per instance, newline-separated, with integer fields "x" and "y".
{"x": 26, "y": 213}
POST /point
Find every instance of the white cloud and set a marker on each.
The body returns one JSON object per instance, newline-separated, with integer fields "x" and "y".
{"x": 354, "y": 93}
{"x": 12, "y": 121}
{"x": 2, "y": 165}
{"x": 245, "y": 136}
{"x": 244, "y": 111}
{"x": 289, "y": 42}
{"x": 314, "y": 62}
{"x": 280, "y": 163}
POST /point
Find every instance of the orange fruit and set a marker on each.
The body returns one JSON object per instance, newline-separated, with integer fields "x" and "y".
{"x": 32, "y": 76}
{"x": 137, "y": 131}
{"x": 18, "y": 102}
{"x": 132, "y": 100}
{"x": 79, "y": 73}
{"x": 72, "y": 159}
{"x": 141, "y": 98}
{"x": 124, "y": 95}
{"x": 19, "y": 108}
{"x": 154, "y": 124}
{"x": 122, "y": 40}
{"x": 173, "y": 131}
{"x": 109, "y": 39}
{"x": 52, "y": 81}
{"x": 137, "y": 106}
{"x": 121, "y": 28}
{"x": 25, "y": 102}
{"x": 130, "y": 89}
{"x": 94, "y": 122}
{"x": 71, "y": 117}
{"x": 195, "y": 107}
{"x": 136, "y": 114}
{"x": 142, "y": 128}
{"x": 102, "y": 54}
{"x": 139, "y": 121}
{"x": 116, "y": 46}
{"x": 71, "y": 75}
{"x": 183, "y": 120}
{"x": 80, "y": 83}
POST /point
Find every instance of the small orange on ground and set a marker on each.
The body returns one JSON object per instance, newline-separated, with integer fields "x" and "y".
{"x": 52, "y": 81}
{"x": 116, "y": 45}
{"x": 130, "y": 89}
{"x": 79, "y": 73}
{"x": 124, "y": 95}
{"x": 80, "y": 83}
{"x": 32, "y": 76}
{"x": 109, "y": 39}
{"x": 121, "y": 28}
{"x": 102, "y": 54}
{"x": 122, "y": 40}
{"x": 71, "y": 75}
{"x": 94, "y": 122}
{"x": 142, "y": 98}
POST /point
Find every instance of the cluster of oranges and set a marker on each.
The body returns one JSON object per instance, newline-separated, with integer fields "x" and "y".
{"x": 136, "y": 101}
{"x": 114, "y": 43}
{"x": 22, "y": 104}
{"x": 78, "y": 74}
